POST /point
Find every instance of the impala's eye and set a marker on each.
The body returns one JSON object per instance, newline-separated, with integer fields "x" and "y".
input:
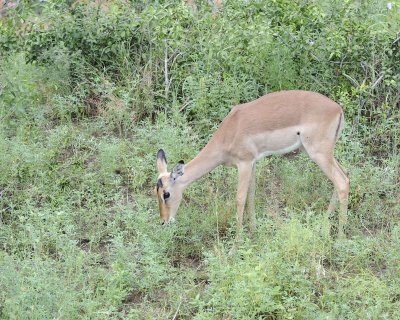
{"x": 166, "y": 195}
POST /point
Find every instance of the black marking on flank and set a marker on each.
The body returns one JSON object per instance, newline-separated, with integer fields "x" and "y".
{"x": 161, "y": 155}
{"x": 337, "y": 129}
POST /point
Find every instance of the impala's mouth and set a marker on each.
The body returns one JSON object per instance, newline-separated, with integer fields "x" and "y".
{"x": 164, "y": 222}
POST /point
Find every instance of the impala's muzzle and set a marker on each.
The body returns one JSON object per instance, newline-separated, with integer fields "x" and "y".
{"x": 167, "y": 221}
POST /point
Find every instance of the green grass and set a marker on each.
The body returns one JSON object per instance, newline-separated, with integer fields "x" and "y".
{"x": 80, "y": 234}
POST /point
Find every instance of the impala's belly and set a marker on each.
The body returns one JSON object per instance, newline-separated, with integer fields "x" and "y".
{"x": 275, "y": 142}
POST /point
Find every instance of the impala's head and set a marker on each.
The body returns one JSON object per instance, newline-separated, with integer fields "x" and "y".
{"x": 168, "y": 188}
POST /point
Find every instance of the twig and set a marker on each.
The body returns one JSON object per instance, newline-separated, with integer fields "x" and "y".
{"x": 353, "y": 81}
{"x": 173, "y": 56}
{"x": 338, "y": 62}
{"x": 177, "y": 310}
{"x": 377, "y": 82}
{"x": 397, "y": 40}
{"x": 166, "y": 69}
{"x": 185, "y": 105}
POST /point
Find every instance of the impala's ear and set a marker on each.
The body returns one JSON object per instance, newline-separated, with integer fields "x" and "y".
{"x": 178, "y": 170}
{"x": 161, "y": 161}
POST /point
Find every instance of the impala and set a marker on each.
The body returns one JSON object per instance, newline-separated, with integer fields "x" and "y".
{"x": 276, "y": 123}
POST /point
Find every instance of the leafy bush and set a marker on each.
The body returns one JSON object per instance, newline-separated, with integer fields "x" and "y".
{"x": 288, "y": 275}
{"x": 158, "y": 53}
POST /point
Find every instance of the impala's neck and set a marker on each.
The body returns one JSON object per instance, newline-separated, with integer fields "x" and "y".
{"x": 207, "y": 159}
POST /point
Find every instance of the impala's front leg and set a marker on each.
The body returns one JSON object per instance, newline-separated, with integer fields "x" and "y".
{"x": 245, "y": 170}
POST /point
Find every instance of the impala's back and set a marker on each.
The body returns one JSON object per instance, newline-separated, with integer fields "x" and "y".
{"x": 278, "y": 123}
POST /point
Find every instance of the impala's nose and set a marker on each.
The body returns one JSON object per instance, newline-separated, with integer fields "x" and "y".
{"x": 167, "y": 221}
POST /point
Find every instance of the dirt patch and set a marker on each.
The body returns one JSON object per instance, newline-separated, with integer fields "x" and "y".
{"x": 87, "y": 246}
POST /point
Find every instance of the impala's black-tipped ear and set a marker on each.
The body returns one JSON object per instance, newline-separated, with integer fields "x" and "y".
{"x": 177, "y": 171}
{"x": 161, "y": 161}
{"x": 161, "y": 155}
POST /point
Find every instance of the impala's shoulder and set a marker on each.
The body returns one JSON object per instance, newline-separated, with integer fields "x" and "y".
{"x": 235, "y": 111}
{"x": 316, "y": 95}
{"x": 231, "y": 120}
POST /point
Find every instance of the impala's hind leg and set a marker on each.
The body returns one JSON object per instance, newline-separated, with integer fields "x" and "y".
{"x": 333, "y": 202}
{"x": 321, "y": 153}
{"x": 341, "y": 182}
{"x": 334, "y": 198}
